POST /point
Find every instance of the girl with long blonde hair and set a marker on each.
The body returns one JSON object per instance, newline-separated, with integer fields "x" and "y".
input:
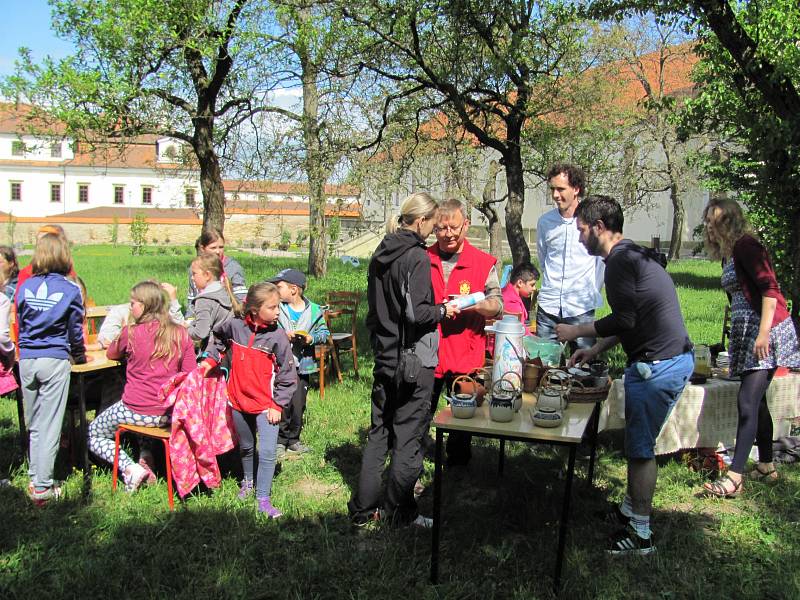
{"x": 156, "y": 349}
{"x": 762, "y": 336}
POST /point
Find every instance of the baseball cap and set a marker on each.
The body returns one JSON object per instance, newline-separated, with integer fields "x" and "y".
{"x": 292, "y": 276}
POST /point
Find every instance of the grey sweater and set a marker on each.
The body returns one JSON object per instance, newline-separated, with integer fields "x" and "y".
{"x": 212, "y": 307}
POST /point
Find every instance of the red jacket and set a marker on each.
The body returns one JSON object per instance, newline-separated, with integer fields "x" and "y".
{"x": 462, "y": 341}
{"x": 262, "y": 373}
{"x": 757, "y": 277}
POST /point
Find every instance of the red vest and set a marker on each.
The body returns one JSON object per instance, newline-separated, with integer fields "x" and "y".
{"x": 462, "y": 341}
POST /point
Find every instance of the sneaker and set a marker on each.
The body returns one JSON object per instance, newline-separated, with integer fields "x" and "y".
{"x": 246, "y": 489}
{"x": 134, "y": 476}
{"x": 626, "y": 541}
{"x": 367, "y": 520}
{"x": 147, "y": 466}
{"x": 280, "y": 452}
{"x": 297, "y": 448}
{"x": 422, "y": 522}
{"x": 265, "y": 506}
{"x": 45, "y": 496}
{"x": 613, "y": 515}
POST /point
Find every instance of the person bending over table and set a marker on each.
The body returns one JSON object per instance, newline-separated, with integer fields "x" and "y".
{"x": 457, "y": 267}
{"x": 762, "y": 337}
{"x": 646, "y": 319}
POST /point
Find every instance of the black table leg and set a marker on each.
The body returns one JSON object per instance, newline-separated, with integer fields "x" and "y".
{"x": 501, "y": 464}
{"x": 562, "y": 533}
{"x": 595, "y": 427}
{"x": 23, "y": 430}
{"x": 437, "y": 507}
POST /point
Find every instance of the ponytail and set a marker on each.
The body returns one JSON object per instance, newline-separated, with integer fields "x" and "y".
{"x": 418, "y": 204}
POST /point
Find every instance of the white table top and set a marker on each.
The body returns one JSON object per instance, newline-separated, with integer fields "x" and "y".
{"x": 571, "y": 430}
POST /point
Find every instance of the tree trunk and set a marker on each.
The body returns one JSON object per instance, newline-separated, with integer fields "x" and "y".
{"x": 318, "y": 226}
{"x": 678, "y": 219}
{"x": 486, "y": 208}
{"x": 210, "y": 175}
{"x": 515, "y": 204}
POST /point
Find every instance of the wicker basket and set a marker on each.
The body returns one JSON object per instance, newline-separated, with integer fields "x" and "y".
{"x": 584, "y": 394}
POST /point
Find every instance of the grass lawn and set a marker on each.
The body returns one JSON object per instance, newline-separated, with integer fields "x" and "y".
{"x": 499, "y": 535}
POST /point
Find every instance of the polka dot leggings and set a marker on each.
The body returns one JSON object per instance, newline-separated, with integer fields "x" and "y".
{"x": 104, "y": 427}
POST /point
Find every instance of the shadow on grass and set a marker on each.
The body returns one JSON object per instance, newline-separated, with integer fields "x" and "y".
{"x": 696, "y": 282}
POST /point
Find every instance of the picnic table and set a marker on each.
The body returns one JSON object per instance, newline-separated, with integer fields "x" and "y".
{"x": 706, "y": 414}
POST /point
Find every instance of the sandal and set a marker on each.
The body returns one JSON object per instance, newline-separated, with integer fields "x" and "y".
{"x": 763, "y": 476}
{"x": 719, "y": 488}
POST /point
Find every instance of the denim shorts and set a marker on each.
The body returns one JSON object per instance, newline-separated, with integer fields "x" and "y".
{"x": 650, "y": 398}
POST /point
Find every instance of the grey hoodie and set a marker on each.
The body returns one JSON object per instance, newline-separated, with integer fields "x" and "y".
{"x": 212, "y": 307}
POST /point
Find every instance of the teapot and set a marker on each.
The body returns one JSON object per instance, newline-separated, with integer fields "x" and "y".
{"x": 501, "y": 405}
{"x": 507, "y": 383}
{"x": 554, "y": 390}
{"x": 463, "y": 403}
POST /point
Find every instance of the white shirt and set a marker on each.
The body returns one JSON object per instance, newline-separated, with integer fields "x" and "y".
{"x": 571, "y": 277}
{"x": 118, "y": 316}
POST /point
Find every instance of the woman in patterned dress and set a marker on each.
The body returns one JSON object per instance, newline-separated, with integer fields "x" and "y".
{"x": 762, "y": 336}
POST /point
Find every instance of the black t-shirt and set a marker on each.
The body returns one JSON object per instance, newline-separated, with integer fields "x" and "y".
{"x": 645, "y": 313}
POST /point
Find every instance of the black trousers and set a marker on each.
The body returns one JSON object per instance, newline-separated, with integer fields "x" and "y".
{"x": 292, "y": 416}
{"x": 459, "y": 445}
{"x": 399, "y": 419}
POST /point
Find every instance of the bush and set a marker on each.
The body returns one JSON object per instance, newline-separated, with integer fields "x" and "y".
{"x": 155, "y": 241}
{"x": 161, "y": 250}
{"x": 264, "y": 245}
{"x": 139, "y": 228}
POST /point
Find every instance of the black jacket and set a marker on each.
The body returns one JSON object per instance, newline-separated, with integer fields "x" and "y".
{"x": 399, "y": 290}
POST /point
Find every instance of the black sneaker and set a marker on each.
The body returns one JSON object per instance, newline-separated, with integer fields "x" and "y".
{"x": 613, "y": 516}
{"x": 627, "y": 542}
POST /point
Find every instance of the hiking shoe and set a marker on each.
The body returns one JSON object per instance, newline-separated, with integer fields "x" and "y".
{"x": 265, "y": 506}
{"x": 422, "y": 522}
{"x": 134, "y": 476}
{"x": 147, "y": 466}
{"x": 627, "y": 542}
{"x": 297, "y": 448}
{"x": 246, "y": 489}
{"x": 45, "y": 496}
{"x": 280, "y": 452}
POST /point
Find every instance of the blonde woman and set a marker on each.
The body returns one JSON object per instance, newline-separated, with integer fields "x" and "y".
{"x": 402, "y": 318}
{"x": 156, "y": 349}
{"x": 762, "y": 336}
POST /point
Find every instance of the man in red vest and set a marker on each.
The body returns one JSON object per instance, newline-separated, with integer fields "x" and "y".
{"x": 458, "y": 268}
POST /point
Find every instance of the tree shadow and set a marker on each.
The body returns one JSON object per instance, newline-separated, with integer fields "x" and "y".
{"x": 696, "y": 282}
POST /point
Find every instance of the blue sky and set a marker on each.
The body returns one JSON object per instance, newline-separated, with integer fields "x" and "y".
{"x": 27, "y": 23}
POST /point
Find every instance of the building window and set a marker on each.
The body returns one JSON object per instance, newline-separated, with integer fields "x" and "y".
{"x": 55, "y": 150}
{"x": 263, "y": 198}
{"x": 147, "y": 195}
{"x": 190, "y": 197}
{"x": 17, "y": 148}
{"x": 55, "y": 192}
{"x": 83, "y": 193}
{"x": 16, "y": 191}
{"x": 119, "y": 194}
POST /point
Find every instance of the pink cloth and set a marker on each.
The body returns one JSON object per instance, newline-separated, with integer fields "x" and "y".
{"x": 8, "y": 383}
{"x": 202, "y": 428}
{"x": 146, "y": 375}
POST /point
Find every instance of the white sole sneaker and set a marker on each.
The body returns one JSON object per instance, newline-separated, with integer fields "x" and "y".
{"x": 422, "y": 522}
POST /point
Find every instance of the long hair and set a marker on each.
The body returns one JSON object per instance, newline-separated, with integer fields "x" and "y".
{"x": 8, "y": 253}
{"x": 209, "y": 235}
{"x": 730, "y": 225}
{"x": 212, "y": 264}
{"x": 257, "y": 294}
{"x": 52, "y": 255}
{"x": 418, "y": 204}
{"x": 168, "y": 337}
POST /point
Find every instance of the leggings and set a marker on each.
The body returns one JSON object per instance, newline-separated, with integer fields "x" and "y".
{"x": 104, "y": 427}
{"x": 247, "y": 425}
{"x": 755, "y": 422}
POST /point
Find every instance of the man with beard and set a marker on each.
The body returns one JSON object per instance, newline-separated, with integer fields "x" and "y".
{"x": 646, "y": 319}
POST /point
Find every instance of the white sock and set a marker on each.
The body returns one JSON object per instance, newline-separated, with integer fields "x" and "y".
{"x": 641, "y": 524}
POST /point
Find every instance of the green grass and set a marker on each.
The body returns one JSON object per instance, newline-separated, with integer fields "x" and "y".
{"x": 499, "y": 536}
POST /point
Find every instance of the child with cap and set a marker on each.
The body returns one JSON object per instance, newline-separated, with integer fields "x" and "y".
{"x": 304, "y": 323}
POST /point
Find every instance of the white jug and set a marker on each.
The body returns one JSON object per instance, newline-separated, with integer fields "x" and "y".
{"x": 508, "y": 352}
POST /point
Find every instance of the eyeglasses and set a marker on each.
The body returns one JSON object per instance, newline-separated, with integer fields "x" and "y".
{"x": 450, "y": 229}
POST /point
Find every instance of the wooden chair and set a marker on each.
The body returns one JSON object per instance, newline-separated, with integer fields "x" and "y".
{"x": 158, "y": 433}
{"x": 341, "y": 318}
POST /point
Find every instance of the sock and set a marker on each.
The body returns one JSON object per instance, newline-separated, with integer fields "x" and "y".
{"x": 641, "y": 524}
{"x": 626, "y": 508}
